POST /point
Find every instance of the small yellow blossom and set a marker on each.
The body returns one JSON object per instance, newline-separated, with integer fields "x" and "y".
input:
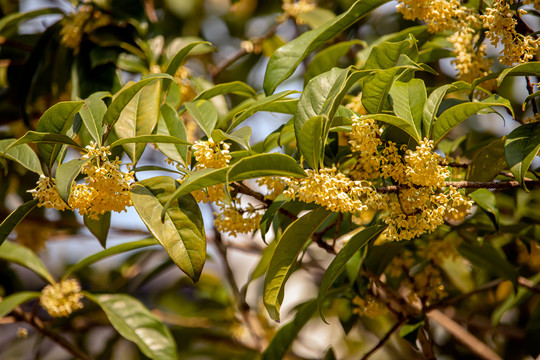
{"x": 295, "y": 8}
{"x": 356, "y": 105}
{"x": 61, "y": 299}
{"x": 369, "y": 306}
{"x": 22, "y": 333}
{"x": 47, "y": 194}
{"x": 424, "y": 166}
{"x": 275, "y": 186}
{"x": 471, "y": 62}
{"x": 210, "y": 154}
{"x": 232, "y": 221}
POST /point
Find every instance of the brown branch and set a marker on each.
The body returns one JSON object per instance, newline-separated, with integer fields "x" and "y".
{"x": 531, "y": 91}
{"x": 229, "y": 61}
{"x": 42, "y": 328}
{"x": 384, "y": 339}
{"x": 499, "y": 185}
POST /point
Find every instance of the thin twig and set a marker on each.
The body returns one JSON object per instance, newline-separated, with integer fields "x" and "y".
{"x": 500, "y": 185}
{"x": 384, "y": 339}
{"x": 42, "y": 328}
{"x": 530, "y": 89}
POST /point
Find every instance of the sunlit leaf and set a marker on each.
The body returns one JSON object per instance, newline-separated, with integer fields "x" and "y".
{"x": 92, "y": 115}
{"x": 66, "y": 174}
{"x": 403, "y": 124}
{"x": 22, "y": 154}
{"x": 531, "y": 68}
{"x": 23, "y": 256}
{"x": 328, "y": 58}
{"x": 204, "y": 113}
{"x": 233, "y": 87}
{"x": 170, "y": 124}
{"x": 409, "y": 99}
{"x": 429, "y": 114}
{"x": 163, "y": 139}
{"x": 486, "y": 200}
{"x": 10, "y": 302}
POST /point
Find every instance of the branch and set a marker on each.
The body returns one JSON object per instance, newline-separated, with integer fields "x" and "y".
{"x": 42, "y": 328}
{"x": 384, "y": 339}
{"x": 500, "y": 185}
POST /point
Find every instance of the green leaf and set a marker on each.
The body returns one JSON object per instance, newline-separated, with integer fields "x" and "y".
{"x": 281, "y": 266}
{"x": 376, "y": 87}
{"x": 36, "y": 137}
{"x": 387, "y": 55}
{"x": 487, "y": 257}
{"x": 429, "y": 115}
{"x": 268, "y": 215}
{"x": 403, "y": 124}
{"x": 280, "y": 343}
{"x": 513, "y": 300}
{"x": 461, "y": 112}
{"x": 22, "y": 154}
{"x": 10, "y": 302}
{"x": 486, "y": 200}
{"x": 100, "y": 227}
{"x": 182, "y": 231}
{"x": 12, "y": 20}
{"x": 337, "y": 266}
{"x": 139, "y": 117}
{"x": 531, "y": 68}
{"x": 122, "y": 98}
{"x": 409, "y": 99}
{"x": 9, "y": 223}
{"x": 409, "y": 331}
{"x": 92, "y": 114}
{"x": 103, "y": 254}
{"x": 58, "y": 119}
{"x": 240, "y": 136}
{"x": 488, "y": 162}
{"x": 23, "y": 256}
{"x": 163, "y": 139}
{"x": 286, "y": 59}
{"x": 520, "y": 148}
{"x": 233, "y": 87}
{"x": 328, "y": 58}
{"x": 310, "y": 140}
{"x": 170, "y": 124}
{"x": 65, "y": 175}
{"x": 136, "y": 323}
{"x": 178, "y": 59}
{"x": 277, "y": 102}
{"x": 204, "y": 113}
{"x": 315, "y": 17}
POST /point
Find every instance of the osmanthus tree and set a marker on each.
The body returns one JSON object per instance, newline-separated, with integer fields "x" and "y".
{"x": 421, "y": 234}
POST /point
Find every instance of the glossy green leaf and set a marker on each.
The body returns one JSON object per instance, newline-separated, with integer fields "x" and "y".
{"x": 163, "y": 139}
{"x": 409, "y": 331}
{"x": 269, "y": 214}
{"x": 233, "y": 87}
{"x": 92, "y": 114}
{"x": 240, "y": 136}
{"x": 10, "y": 302}
{"x": 178, "y": 59}
{"x": 531, "y": 68}
{"x": 136, "y": 323}
{"x": 408, "y": 100}
{"x": 22, "y": 154}
{"x": 282, "y": 340}
{"x": 181, "y": 232}
{"x": 328, "y": 58}
{"x": 139, "y": 117}
{"x": 310, "y": 140}
{"x": 403, "y": 124}
{"x": 337, "y": 266}
{"x": 9, "y": 223}
{"x": 23, "y": 256}
{"x": 170, "y": 124}
{"x": 66, "y": 174}
{"x": 99, "y": 227}
{"x": 281, "y": 266}
{"x": 36, "y": 137}
{"x": 58, "y": 119}
{"x": 528, "y": 99}
{"x": 486, "y": 200}
{"x": 272, "y": 164}
{"x": 388, "y": 54}
{"x": 487, "y": 163}
{"x": 316, "y": 17}
{"x": 429, "y": 114}
{"x": 277, "y": 102}
{"x": 122, "y": 98}
{"x": 204, "y": 113}
{"x": 286, "y": 59}
{"x": 103, "y": 254}
{"x": 487, "y": 257}
{"x": 520, "y": 148}
{"x": 454, "y": 116}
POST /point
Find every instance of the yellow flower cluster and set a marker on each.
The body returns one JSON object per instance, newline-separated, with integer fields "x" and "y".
{"x": 471, "y": 62}
{"x": 106, "y": 187}
{"x": 439, "y": 251}
{"x": 61, "y": 299}
{"x": 233, "y": 221}
{"x": 365, "y": 139}
{"x": 275, "y": 186}
{"x": 356, "y": 105}
{"x": 210, "y": 155}
{"x": 439, "y": 15}
{"x": 334, "y": 191}
{"x": 47, "y": 194}
{"x": 294, "y": 8}
{"x": 501, "y": 22}
{"x": 369, "y": 307}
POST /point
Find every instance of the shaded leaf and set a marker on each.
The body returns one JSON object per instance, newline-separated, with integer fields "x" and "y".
{"x": 531, "y": 68}
{"x": 310, "y": 140}
{"x": 181, "y": 232}
{"x": 240, "y": 136}
{"x": 22, "y": 154}
{"x": 92, "y": 115}
{"x": 408, "y": 100}
{"x": 66, "y": 174}
{"x": 486, "y": 200}
{"x": 233, "y": 87}
{"x": 338, "y": 265}
{"x": 487, "y": 163}
{"x": 403, "y": 124}
{"x": 36, "y": 137}
{"x": 387, "y": 55}
{"x": 9, "y": 223}
{"x": 23, "y": 256}
{"x": 10, "y": 302}
{"x": 103, "y": 254}
{"x": 328, "y": 58}
{"x": 281, "y": 266}
{"x": 286, "y": 334}
{"x": 170, "y": 124}
{"x": 429, "y": 114}
{"x": 513, "y": 300}
{"x": 178, "y": 59}
{"x": 163, "y": 139}
{"x": 136, "y": 323}
{"x": 100, "y": 227}
{"x": 204, "y": 113}
{"x": 520, "y": 148}
{"x": 286, "y": 59}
